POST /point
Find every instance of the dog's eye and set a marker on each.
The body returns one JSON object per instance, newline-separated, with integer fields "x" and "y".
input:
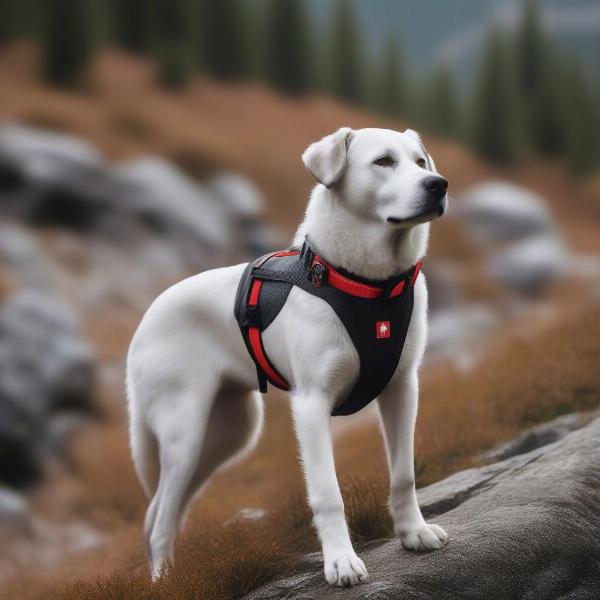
{"x": 421, "y": 162}
{"x": 385, "y": 161}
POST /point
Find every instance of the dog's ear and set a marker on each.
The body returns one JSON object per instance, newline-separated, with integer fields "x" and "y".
{"x": 326, "y": 160}
{"x": 411, "y": 133}
{"x": 417, "y": 138}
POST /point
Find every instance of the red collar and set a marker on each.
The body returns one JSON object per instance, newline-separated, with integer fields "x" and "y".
{"x": 321, "y": 271}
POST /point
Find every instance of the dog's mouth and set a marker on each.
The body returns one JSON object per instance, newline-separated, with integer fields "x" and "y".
{"x": 425, "y": 217}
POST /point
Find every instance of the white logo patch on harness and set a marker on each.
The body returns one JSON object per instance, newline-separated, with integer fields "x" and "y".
{"x": 383, "y": 329}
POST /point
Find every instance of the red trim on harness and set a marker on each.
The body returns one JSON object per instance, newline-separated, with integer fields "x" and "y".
{"x": 255, "y": 339}
{"x": 339, "y": 281}
{"x": 416, "y": 273}
{"x": 259, "y": 353}
{"x": 397, "y": 289}
{"x": 286, "y": 253}
{"x": 254, "y": 292}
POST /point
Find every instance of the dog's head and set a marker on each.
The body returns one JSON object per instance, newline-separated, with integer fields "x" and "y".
{"x": 380, "y": 174}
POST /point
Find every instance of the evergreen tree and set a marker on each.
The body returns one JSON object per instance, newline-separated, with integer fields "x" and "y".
{"x": 583, "y": 123}
{"x": 133, "y": 22}
{"x": 222, "y": 44}
{"x": 548, "y": 109}
{"x": 172, "y": 25}
{"x": 495, "y": 109}
{"x": 346, "y": 54}
{"x": 68, "y": 40}
{"x": 531, "y": 46}
{"x": 539, "y": 78}
{"x": 10, "y": 20}
{"x": 393, "y": 87}
{"x": 442, "y": 110}
{"x": 288, "y": 60}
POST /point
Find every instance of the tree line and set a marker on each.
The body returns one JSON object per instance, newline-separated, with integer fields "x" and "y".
{"x": 527, "y": 98}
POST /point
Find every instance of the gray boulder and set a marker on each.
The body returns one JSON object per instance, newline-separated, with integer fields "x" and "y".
{"x": 46, "y": 368}
{"x": 501, "y": 211}
{"x": 530, "y": 265}
{"x": 524, "y": 528}
{"x": 517, "y": 231}
{"x": 160, "y": 195}
{"x": 50, "y": 178}
{"x": 540, "y": 435}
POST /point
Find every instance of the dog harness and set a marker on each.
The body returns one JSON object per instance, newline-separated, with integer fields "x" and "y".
{"x": 376, "y": 315}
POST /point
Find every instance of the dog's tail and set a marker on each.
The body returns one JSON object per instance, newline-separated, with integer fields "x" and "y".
{"x": 143, "y": 443}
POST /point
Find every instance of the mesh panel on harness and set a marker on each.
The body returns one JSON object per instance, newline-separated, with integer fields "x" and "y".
{"x": 376, "y": 315}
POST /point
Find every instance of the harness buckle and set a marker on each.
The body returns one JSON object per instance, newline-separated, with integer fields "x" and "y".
{"x": 318, "y": 274}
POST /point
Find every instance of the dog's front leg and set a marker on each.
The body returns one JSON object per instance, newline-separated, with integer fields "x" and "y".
{"x": 313, "y": 429}
{"x": 398, "y": 410}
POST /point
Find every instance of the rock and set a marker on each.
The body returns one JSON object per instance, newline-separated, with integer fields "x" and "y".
{"x": 248, "y": 514}
{"x": 14, "y": 512}
{"x": 55, "y": 180}
{"x": 238, "y": 195}
{"x": 500, "y": 211}
{"x": 532, "y": 254}
{"x": 46, "y": 367}
{"x": 164, "y": 198}
{"x": 50, "y": 178}
{"x": 527, "y": 527}
{"x": 531, "y": 265}
{"x": 245, "y": 205}
{"x": 451, "y": 331}
{"x": 540, "y": 435}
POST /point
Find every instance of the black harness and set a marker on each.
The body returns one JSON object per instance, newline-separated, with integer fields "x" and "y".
{"x": 376, "y": 315}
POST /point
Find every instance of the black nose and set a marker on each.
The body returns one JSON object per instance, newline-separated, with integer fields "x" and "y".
{"x": 436, "y": 186}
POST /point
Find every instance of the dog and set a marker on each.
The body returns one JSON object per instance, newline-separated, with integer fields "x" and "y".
{"x": 191, "y": 383}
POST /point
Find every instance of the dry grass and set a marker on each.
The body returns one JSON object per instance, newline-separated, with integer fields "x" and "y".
{"x": 247, "y": 128}
{"x": 527, "y": 379}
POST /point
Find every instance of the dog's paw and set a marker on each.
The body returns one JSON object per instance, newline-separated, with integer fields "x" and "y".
{"x": 345, "y": 570}
{"x": 424, "y": 538}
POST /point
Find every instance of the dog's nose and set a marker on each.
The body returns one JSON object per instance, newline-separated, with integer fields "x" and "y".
{"x": 436, "y": 186}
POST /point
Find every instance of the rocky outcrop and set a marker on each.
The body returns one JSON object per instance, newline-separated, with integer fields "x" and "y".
{"x": 46, "y": 371}
{"x": 518, "y": 233}
{"x": 58, "y": 180}
{"x": 524, "y": 528}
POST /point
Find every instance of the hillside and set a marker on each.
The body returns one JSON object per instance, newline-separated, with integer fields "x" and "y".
{"x": 533, "y": 370}
{"x": 246, "y": 128}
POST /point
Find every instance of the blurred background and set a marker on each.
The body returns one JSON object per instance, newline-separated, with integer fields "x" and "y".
{"x": 143, "y": 141}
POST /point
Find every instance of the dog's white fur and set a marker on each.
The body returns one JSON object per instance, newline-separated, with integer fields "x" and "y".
{"x": 190, "y": 379}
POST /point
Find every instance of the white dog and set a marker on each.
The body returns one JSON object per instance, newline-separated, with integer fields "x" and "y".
{"x": 190, "y": 378}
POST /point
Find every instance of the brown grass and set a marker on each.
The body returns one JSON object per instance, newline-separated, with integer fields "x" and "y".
{"x": 527, "y": 379}
{"x": 530, "y": 376}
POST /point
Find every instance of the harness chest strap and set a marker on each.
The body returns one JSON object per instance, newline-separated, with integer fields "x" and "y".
{"x": 319, "y": 273}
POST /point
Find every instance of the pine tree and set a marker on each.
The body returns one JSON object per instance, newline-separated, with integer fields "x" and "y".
{"x": 539, "y": 78}
{"x": 133, "y": 22}
{"x": 68, "y": 41}
{"x": 346, "y": 54}
{"x": 393, "y": 91}
{"x": 442, "y": 108}
{"x": 548, "y": 109}
{"x": 288, "y": 54}
{"x": 495, "y": 110}
{"x": 531, "y": 47}
{"x": 10, "y": 20}
{"x": 583, "y": 123}
{"x": 173, "y": 20}
{"x": 222, "y": 43}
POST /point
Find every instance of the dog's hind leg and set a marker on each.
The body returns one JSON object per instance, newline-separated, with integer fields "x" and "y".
{"x": 180, "y": 432}
{"x": 234, "y": 426}
{"x": 196, "y": 439}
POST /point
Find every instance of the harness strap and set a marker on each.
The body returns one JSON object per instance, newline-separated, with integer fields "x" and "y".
{"x": 255, "y": 340}
{"x": 319, "y": 272}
